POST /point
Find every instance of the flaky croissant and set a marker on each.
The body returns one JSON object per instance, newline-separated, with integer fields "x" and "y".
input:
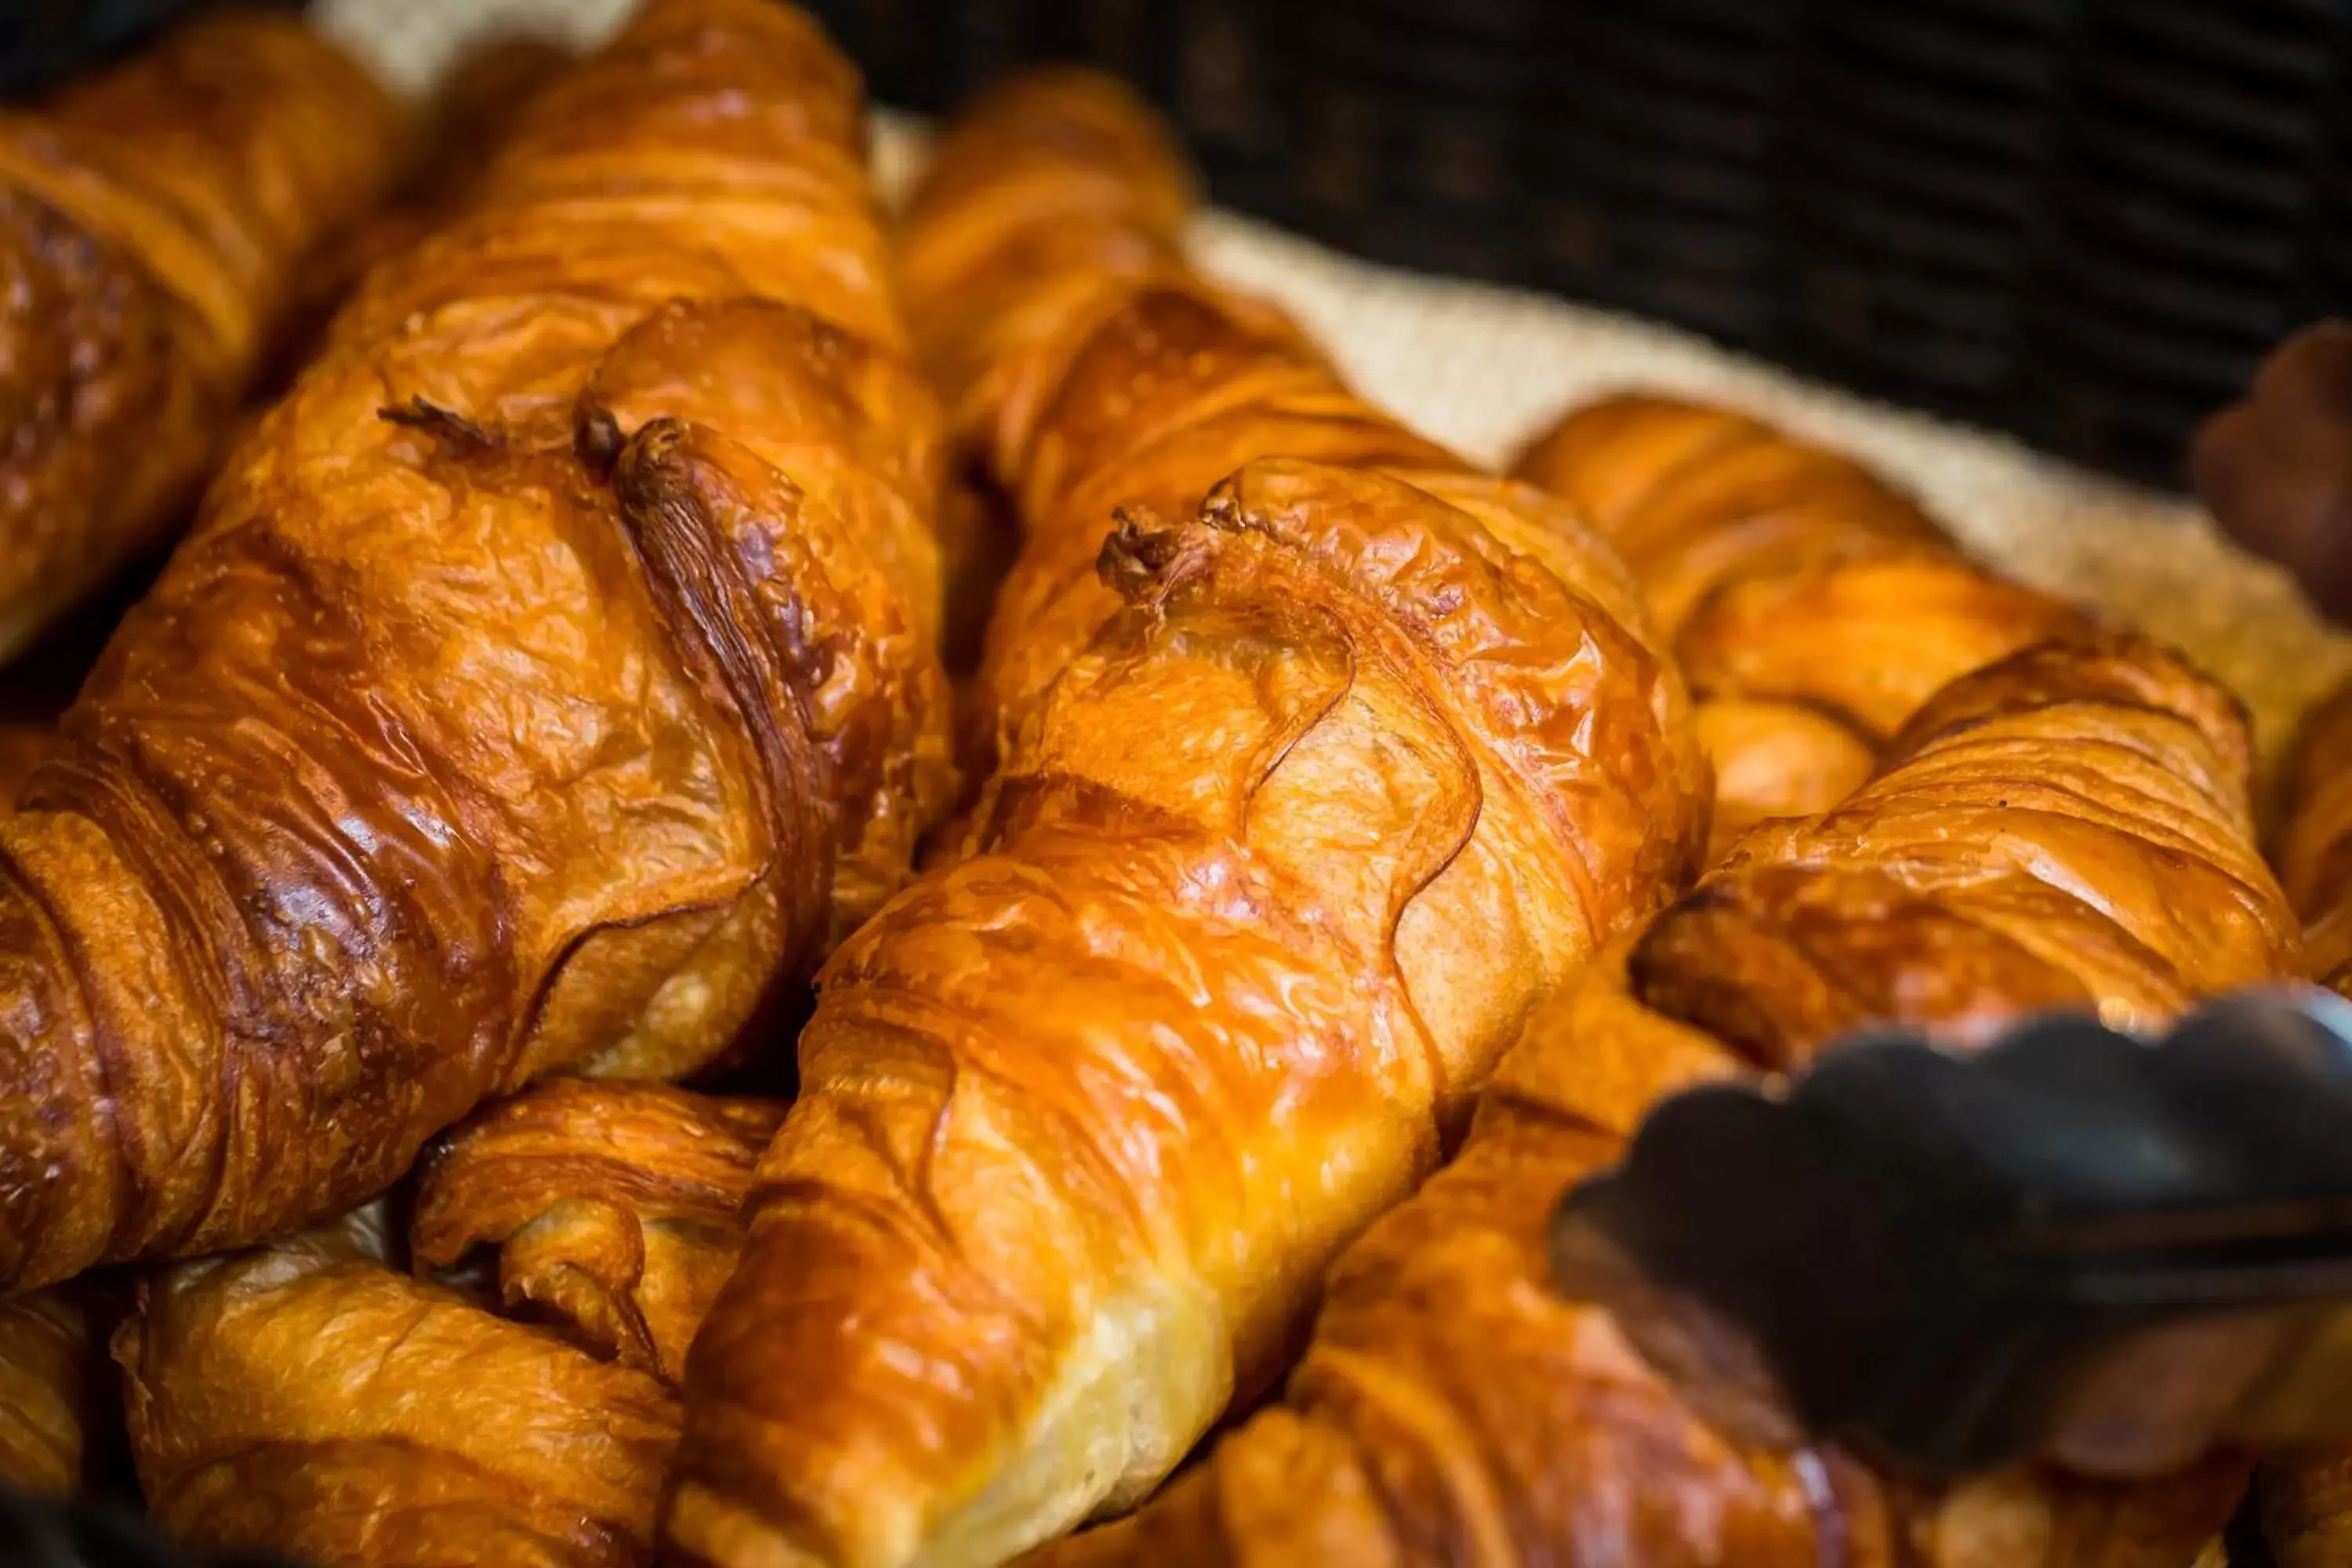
{"x": 1367, "y": 765}
{"x": 1275, "y": 860}
{"x": 1813, "y": 607}
{"x": 312, "y": 1399}
{"x": 2068, "y": 828}
{"x": 509, "y": 708}
{"x": 153, "y": 222}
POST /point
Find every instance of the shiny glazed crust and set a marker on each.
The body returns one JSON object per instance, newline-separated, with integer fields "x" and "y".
{"x": 2068, "y": 826}
{"x": 312, "y": 1400}
{"x": 508, "y": 709}
{"x": 155, "y": 223}
{"x": 1812, "y": 606}
{"x": 1361, "y": 772}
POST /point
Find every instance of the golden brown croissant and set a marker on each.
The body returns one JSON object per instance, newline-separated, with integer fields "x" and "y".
{"x": 1361, "y": 764}
{"x": 509, "y": 708}
{"x": 1365, "y": 765}
{"x": 153, "y": 222}
{"x": 2066, "y": 827}
{"x": 1365, "y": 768}
{"x": 311, "y": 1399}
{"x": 1813, "y": 607}
{"x": 1084, "y": 365}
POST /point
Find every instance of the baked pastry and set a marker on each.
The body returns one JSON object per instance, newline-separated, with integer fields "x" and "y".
{"x": 1085, "y": 366}
{"x": 2067, "y": 828}
{"x": 54, "y": 1382}
{"x": 1367, "y": 765}
{"x": 1812, "y": 606}
{"x": 153, "y": 221}
{"x": 1302, "y": 802}
{"x": 511, "y": 1402}
{"x": 509, "y": 709}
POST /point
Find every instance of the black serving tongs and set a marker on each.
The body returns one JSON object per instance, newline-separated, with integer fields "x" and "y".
{"x": 2075, "y": 1246}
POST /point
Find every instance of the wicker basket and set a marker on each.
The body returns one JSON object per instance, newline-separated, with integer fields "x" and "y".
{"x": 2082, "y": 221}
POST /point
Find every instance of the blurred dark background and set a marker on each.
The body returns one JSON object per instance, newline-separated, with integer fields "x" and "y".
{"x": 2082, "y": 221}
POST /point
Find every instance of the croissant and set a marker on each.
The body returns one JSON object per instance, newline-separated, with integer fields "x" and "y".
{"x": 2067, "y": 828}
{"x": 508, "y": 708}
{"x": 153, "y": 222}
{"x": 512, "y": 1403}
{"x": 1300, "y": 805}
{"x": 1811, "y": 606}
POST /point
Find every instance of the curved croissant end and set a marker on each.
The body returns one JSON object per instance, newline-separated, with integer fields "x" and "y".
{"x": 1812, "y": 605}
{"x": 1365, "y": 766}
{"x": 428, "y": 766}
{"x": 2068, "y": 826}
{"x": 311, "y": 1399}
{"x": 154, "y": 225}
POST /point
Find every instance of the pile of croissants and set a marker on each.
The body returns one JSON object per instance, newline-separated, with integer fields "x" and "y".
{"x": 1249, "y": 862}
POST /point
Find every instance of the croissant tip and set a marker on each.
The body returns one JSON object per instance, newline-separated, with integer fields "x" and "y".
{"x": 596, "y": 438}
{"x": 1135, "y": 556}
{"x": 1223, "y": 505}
{"x": 637, "y": 459}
